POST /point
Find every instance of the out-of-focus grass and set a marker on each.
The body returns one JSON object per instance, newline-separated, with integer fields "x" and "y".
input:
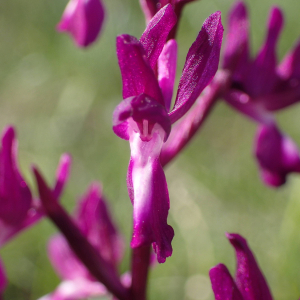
{"x": 61, "y": 99}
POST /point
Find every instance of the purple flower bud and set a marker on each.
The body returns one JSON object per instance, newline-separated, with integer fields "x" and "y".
{"x": 83, "y": 20}
{"x": 277, "y": 155}
{"x": 249, "y": 283}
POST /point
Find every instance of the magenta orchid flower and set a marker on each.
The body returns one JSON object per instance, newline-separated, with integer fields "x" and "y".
{"x": 249, "y": 282}
{"x": 18, "y": 209}
{"x": 94, "y": 221}
{"x": 145, "y": 120}
{"x": 3, "y": 280}
{"x": 83, "y": 20}
{"x": 260, "y": 87}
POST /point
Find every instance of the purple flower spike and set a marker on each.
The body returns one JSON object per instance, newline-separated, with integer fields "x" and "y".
{"x": 277, "y": 155}
{"x": 200, "y": 66}
{"x": 83, "y": 20}
{"x": 249, "y": 283}
{"x": 143, "y": 118}
{"x": 94, "y": 221}
{"x": 3, "y": 280}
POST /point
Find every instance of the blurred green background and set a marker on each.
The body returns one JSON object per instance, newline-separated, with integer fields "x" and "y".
{"x": 60, "y": 99}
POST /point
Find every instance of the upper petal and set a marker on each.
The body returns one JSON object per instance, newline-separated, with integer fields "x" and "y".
{"x": 236, "y": 49}
{"x": 62, "y": 174}
{"x": 148, "y": 190}
{"x": 156, "y": 33}
{"x": 289, "y": 68}
{"x": 200, "y": 66}
{"x": 167, "y": 62}
{"x": 137, "y": 75}
{"x": 277, "y": 155}
{"x": 83, "y": 20}
{"x": 249, "y": 279}
{"x": 15, "y": 196}
{"x": 262, "y": 76}
{"x": 95, "y": 221}
{"x": 223, "y": 284}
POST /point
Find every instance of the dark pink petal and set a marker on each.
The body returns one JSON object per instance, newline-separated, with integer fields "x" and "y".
{"x": 223, "y": 285}
{"x": 277, "y": 155}
{"x": 15, "y": 196}
{"x": 3, "y": 280}
{"x": 62, "y": 174}
{"x": 144, "y": 112}
{"x": 167, "y": 62}
{"x": 200, "y": 66}
{"x": 64, "y": 261}
{"x": 96, "y": 224}
{"x": 236, "y": 53}
{"x": 289, "y": 68}
{"x": 262, "y": 76}
{"x": 149, "y": 8}
{"x": 156, "y": 33}
{"x": 249, "y": 279}
{"x": 148, "y": 191}
{"x": 83, "y": 20}
{"x": 137, "y": 75}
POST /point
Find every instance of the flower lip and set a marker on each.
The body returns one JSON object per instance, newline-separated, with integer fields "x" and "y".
{"x": 140, "y": 113}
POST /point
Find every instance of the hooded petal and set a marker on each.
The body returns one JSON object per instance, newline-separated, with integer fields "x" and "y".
{"x": 3, "y": 280}
{"x": 156, "y": 33}
{"x": 15, "y": 196}
{"x": 262, "y": 76}
{"x": 148, "y": 191}
{"x": 96, "y": 223}
{"x": 62, "y": 174}
{"x": 249, "y": 279}
{"x": 83, "y": 20}
{"x": 137, "y": 75}
{"x": 223, "y": 285}
{"x": 289, "y": 68}
{"x": 277, "y": 155}
{"x": 200, "y": 66}
{"x": 167, "y": 62}
{"x": 144, "y": 112}
{"x": 236, "y": 49}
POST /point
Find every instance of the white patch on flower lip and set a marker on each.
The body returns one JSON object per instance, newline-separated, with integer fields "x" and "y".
{"x": 71, "y": 7}
{"x": 144, "y": 154}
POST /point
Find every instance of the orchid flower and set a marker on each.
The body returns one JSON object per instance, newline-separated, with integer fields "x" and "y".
{"x": 83, "y": 20}
{"x": 18, "y": 209}
{"x": 144, "y": 118}
{"x": 249, "y": 282}
{"x": 260, "y": 87}
{"x": 95, "y": 223}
